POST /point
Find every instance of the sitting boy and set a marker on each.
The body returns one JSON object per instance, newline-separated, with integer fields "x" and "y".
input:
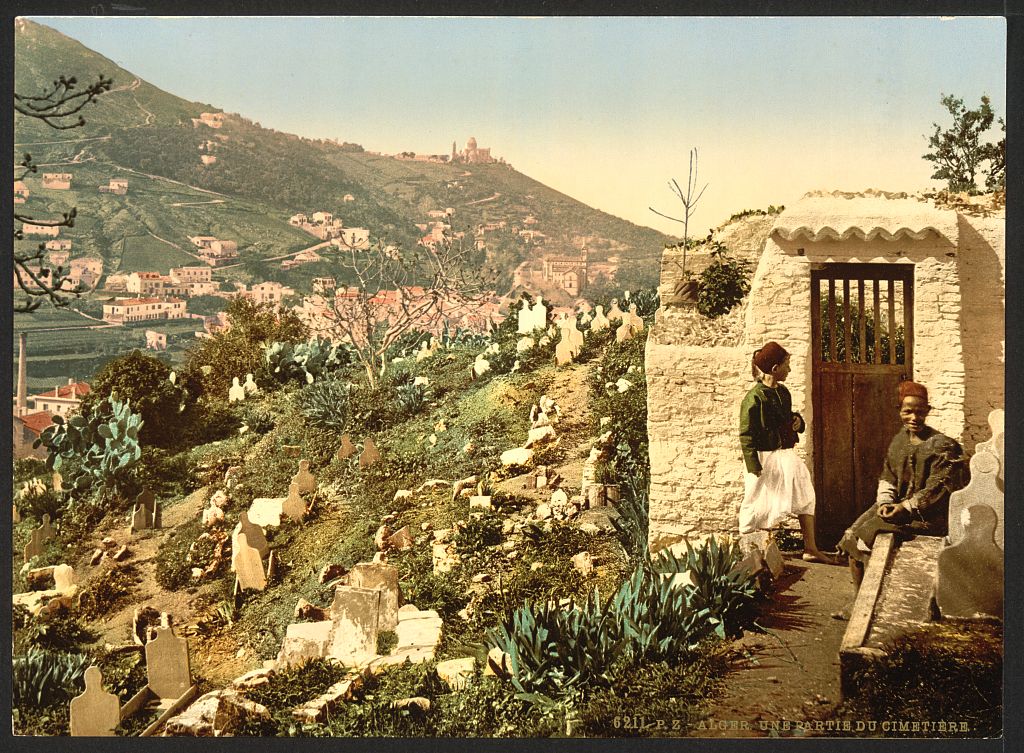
{"x": 922, "y": 468}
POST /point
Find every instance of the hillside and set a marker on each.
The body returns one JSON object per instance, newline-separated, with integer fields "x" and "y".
{"x": 264, "y": 176}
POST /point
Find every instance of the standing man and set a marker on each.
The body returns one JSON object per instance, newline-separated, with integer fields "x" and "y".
{"x": 922, "y": 468}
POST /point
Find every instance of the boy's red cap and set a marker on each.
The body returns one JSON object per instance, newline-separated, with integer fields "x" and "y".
{"x": 770, "y": 356}
{"x": 913, "y": 389}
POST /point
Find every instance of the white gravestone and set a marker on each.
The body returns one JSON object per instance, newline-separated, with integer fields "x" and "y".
{"x": 236, "y": 393}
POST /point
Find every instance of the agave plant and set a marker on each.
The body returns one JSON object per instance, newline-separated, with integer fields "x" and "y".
{"x": 42, "y": 678}
{"x": 721, "y": 591}
{"x": 325, "y": 404}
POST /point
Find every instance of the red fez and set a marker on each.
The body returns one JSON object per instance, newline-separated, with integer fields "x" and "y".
{"x": 770, "y": 356}
{"x": 913, "y": 389}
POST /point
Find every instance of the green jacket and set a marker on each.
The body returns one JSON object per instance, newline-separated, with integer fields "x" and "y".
{"x": 766, "y": 417}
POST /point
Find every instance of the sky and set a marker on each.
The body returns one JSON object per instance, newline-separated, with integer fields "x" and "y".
{"x": 603, "y": 109}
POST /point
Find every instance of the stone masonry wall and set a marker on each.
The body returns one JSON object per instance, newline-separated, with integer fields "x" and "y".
{"x": 693, "y": 399}
{"x": 982, "y": 260}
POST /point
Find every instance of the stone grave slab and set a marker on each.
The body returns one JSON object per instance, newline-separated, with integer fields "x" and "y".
{"x": 401, "y": 539}
{"x": 895, "y": 597}
{"x": 369, "y": 455}
{"x": 294, "y": 506}
{"x": 94, "y": 713}
{"x": 167, "y": 664}
{"x": 384, "y": 578}
{"x": 304, "y": 641}
{"x": 985, "y": 488}
{"x": 457, "y": 673}
{"x": 305, "y": 480}
{"x": 141, "y": 519}
{"x": 58, "y": 482}
{"x": 248, "y": 565}
{"x": 347, "y": 449}
{"x": 970, "y": 572}
{"x": 34, "y": 547}
{"x": 148, "y": 500}
{"x": 355, "y": 613}
{"x": 418, "y": 628}
{"x": 64, "y": 578}
{"x": 253, "y": 535}
{"x": 266, "y": 511}
{"x": 45, "y": 529}
{"x": 236, "y": 393}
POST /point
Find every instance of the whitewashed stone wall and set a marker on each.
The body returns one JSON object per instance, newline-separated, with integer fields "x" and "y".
{"x": 693, "y": 398}
{"x": 982, "y": 260}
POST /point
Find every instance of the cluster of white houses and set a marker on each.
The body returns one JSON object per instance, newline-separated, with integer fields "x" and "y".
{"x": 214, "y": 251}
{"x": 327, "y": 227}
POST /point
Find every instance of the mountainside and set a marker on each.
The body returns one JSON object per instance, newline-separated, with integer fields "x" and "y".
{"x": 261, "y": 177}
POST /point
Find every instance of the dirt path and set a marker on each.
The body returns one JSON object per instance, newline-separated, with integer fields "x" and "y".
{"x": 793, "y": 672}
{"x": 115, "y": 627}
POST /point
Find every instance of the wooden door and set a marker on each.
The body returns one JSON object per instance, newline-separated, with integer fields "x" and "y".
{"x": 862, "y": 337}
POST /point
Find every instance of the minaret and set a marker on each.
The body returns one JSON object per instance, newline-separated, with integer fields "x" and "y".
{"x": 454, "y": 153}
{"x": 22, "y": 404}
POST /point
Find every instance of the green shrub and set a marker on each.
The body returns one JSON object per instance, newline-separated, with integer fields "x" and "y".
{"x": 287, "y": 689}
{"x": 373, "y": 409}
{"x": 174, "y": 558}
{"x": 487, "y": 707}
{"x": 212, "y": 421}
{"x": 36, "y": 499}
{"x": 43, "y": 678}
{"x": 479, "y": 533}
{"x": 325, "y": 405}
{"x": 652, "y": 700}
{"x": 258, "y": 420}
{"x": 238, "y": 350}
{"x": 108, "y": 591}
{"x": 60, "y": 632}
{"x": 938, "y": 671}
{"x": 143, "y": 380}
{"x": 387, "y": 640}
{"x": 165, "y": 473}
{"x": 410, "y": 400}
{"x": 723, "y": 283}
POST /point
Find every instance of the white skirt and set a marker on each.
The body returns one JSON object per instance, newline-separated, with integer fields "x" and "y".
{"x": 784, "y": 488}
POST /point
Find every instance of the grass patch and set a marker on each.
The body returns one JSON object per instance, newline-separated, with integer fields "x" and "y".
{"x": 939, "y": 672}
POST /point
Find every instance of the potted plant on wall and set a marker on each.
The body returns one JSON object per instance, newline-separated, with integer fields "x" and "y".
{"x": 687, "y": 288}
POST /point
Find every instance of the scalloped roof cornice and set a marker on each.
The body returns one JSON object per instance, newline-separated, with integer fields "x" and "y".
{"x": 865, "y": 216}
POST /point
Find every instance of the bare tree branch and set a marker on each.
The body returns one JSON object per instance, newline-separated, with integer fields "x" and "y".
{"x": 394, "y": 292}
{"x": 54, "y": 106}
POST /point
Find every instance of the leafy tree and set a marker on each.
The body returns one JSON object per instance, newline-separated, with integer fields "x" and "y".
{"x": 239, "y": 350}
{"x": 207, "y": 305}
{"x": 144, "y": 380}
{"x": 959, "y": 152}
{"x": 56, "y": 106}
